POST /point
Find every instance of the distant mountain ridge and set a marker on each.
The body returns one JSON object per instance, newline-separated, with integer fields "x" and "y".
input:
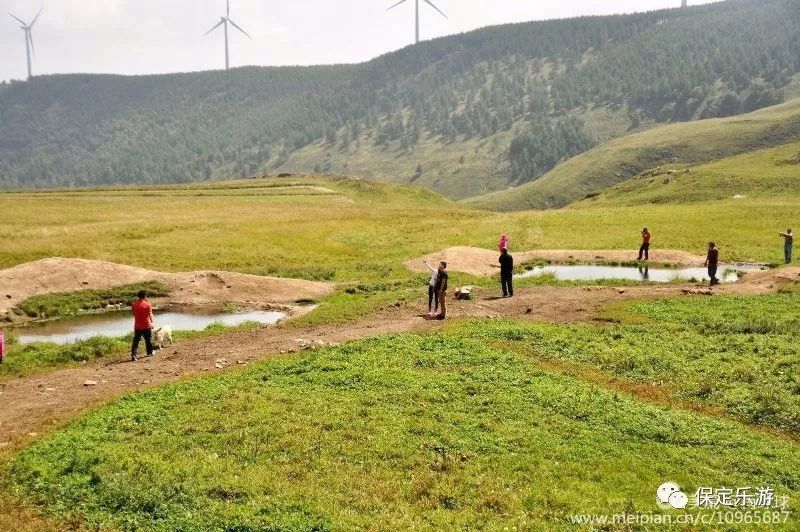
{"x": 464, "y": 115}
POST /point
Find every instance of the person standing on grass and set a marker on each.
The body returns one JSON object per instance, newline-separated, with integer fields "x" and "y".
{"x": 644, "y": 249}
{"x": 433, "y": 295}
{"x": 142, "y": 324}
{"x": 712, "y": 263}
{"x": 441, "y": 289}
{"x": 507, "y": 273}
{"x": 788, "y": 242}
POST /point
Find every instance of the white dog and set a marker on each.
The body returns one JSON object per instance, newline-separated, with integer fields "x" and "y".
{"x": 161, "y": 335}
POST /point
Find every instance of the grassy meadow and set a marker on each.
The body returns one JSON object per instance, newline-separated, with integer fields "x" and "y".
{"x": 488, "y": 424}
{"x": 475, "y": 428}
{"x": 352, "y": 231}
{"x": 748, "y": 372}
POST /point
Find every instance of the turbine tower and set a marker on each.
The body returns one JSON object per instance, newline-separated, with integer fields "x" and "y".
{"x": 684, "y": 3}
{"x": 416, "y": 13}
{"x": 224, "y": 21}
{"x": 28, "y": 38}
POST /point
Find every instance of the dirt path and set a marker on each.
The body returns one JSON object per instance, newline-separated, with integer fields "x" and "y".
{"x": 33, "y": 405}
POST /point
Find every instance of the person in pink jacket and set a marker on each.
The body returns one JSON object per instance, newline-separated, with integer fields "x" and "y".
{"x": 503, "y": 244}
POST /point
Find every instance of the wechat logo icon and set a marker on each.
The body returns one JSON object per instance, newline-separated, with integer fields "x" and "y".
{"x": 670, "y": 496}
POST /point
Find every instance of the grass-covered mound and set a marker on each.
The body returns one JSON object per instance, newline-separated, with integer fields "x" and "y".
{"x": 393, "y": 433}
{"x": 67, "y": 304}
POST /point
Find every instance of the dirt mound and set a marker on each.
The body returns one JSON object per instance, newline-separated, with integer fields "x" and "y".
{"x": 475, "y": 261}
{"x": 478, "y": 261}
{"x": 771, "y": 279}
{"x": 188, "y": 289}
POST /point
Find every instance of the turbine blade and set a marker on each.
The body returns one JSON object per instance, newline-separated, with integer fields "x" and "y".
{"x": 397, "y": 4}
{"x": 18, "y": 19}
{"x": 436, "y": 8}
{"x": 238, "y": 28}
{"x": 30, "y": 38}
{"x": 217, "y": 25}
{"x": 228, "y": 13}
{"x": 36, "y": 17}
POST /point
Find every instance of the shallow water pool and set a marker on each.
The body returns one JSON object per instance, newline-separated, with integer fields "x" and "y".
{"x": 728, "y": 273}
{"x": 118, "y": 324}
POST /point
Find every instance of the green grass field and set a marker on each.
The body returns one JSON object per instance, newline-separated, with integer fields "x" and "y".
{"x": 752, "y": 376}
{"x": 411, "y": 431}
{"x": 358, "y": 232}
{"x": 495, "y": 425}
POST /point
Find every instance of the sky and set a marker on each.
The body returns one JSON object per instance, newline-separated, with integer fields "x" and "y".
{"x": 161, "y": 36}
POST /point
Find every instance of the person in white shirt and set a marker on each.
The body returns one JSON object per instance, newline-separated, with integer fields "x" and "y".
{"x": 433, "y": 296}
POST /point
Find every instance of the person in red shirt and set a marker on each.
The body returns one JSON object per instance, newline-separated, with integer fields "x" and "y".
{"x": 712, "y": 263}
{"x": 645, "y": 248}
{"x": 142, "y": 324}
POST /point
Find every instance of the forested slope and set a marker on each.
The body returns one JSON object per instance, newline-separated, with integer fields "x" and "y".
{"x": 487, "y": 109}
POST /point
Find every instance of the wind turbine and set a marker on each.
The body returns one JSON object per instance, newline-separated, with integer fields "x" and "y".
{"x": 28, "y": 37}
{"x": 224, "y": 21}
{"x": 416, "y": 5}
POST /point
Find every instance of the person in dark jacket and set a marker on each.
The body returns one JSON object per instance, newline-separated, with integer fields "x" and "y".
{"x": 507, "y": 273}
{"x": 433, "y": 296}
{"x": 712, "y": 263}
{"x": 441, "y": 290}
{"x": 644, "y": 250}
{"x": 788, "y": 242}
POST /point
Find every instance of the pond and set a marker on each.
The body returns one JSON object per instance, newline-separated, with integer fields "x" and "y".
{"x": 118, "y": 324}
{"x": 728, "y": 273}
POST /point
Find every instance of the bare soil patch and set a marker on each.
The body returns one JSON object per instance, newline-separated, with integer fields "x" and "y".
{"x": 769, "y": 280}
{"x": 192, "y": 289}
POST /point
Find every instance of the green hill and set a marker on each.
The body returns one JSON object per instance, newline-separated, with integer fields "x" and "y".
{"x": 620, "y": 159}
{"x": 465, "y": 115}
{"x": 759, "y": 174}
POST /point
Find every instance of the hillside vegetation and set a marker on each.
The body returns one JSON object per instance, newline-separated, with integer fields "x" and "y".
{"x": 763, "y": 173}
{"x": 629, "y": 156}
{"x": 501, "y": 105}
